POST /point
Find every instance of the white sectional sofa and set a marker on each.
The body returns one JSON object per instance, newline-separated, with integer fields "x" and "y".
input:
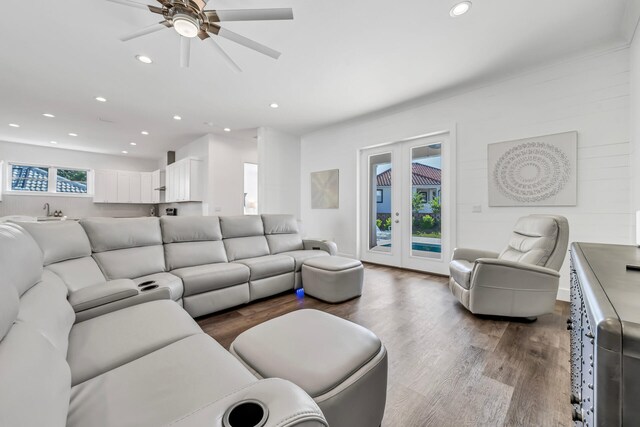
{"x": 134, "y": 360}
{"x": 205, "y": 264}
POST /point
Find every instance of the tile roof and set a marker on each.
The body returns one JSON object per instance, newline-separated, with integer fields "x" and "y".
{"x": 30, "y": 178}
{"x": 422, "y": 175}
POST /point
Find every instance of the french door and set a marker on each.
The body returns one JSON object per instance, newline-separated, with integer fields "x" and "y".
{"x": 406, "y": 204}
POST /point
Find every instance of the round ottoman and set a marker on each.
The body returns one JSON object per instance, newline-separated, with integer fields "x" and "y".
{"x": 333, "y": 279}
{"x": 341, "y": 365}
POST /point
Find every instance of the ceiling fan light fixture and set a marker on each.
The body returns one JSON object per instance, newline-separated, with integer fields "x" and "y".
{"x": 144, "y": 59}
{"x": 186, "y": 25}
{"x": 460, "y": 9}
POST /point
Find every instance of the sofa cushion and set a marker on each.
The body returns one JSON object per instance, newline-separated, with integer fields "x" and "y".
{"x": 279, "y": 224}
{"x": 103, "y": 343}
{"x": 59, "y": 240}
{"x": 246, "y": 247}
{"x": 268, "y": 266}
{"x": 78, "y": 273}
{"x": 9, "y": 306}
{"x": 533, "y": 240}
{"x": 189, "y": 254}
{"x": 130, "y": 263}
{"x": 35, "y": 380}
{"x": 176, "y": 229}
{"x": 160, "y": 387}
{"x": 279, "y": 243}
{"x": 300, "y": 257}
{"x": 107, "y": 234}
{"x": 21, "y": 260}
{"x": 460, "y": 271}
{"x": 204, "y": 278}
{"x": 46, "y": 309}
{"x": 168, "y": 280}
{"x": 104, "y": 293}
{"x": 241, "y": 226}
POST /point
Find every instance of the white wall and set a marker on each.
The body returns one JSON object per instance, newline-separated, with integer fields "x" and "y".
{"x": 74, "y": 207}
{"x": 222, "y": 170}
{"x": 635, "y": 119}
{"x": 588, "y": 94}
{"x": 278, "y": 172}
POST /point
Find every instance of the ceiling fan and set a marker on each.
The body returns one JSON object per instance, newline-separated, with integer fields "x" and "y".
{"x": 189, "y": 19}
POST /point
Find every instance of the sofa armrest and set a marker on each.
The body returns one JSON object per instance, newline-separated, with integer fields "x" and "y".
{"x": 287, "y": 404}
{"x": 104, "y": 293}
{"x": 497, "y": 273}
{"x": 324, "y": 245}
{"x": 472, "y": 255}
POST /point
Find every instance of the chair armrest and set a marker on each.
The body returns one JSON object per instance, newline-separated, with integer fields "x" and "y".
{"x": 104, "y": 293}
{"x": 323, "y": 245}
{"x": 472, "y": 255}
{"x": 288, "y": 406}
{"x": 497, "y": 273}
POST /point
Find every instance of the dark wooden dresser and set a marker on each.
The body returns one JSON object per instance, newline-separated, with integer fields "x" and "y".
{"x": 605, "y": 335}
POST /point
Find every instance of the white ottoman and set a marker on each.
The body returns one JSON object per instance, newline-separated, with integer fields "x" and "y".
{"x": 341, "y": 365}
{"x": 333, "y": 278}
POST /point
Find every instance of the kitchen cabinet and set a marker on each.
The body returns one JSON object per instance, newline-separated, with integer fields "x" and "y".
{"x": 157, "y": 182}
{"x": 183, "y": 181}
{"x": 112, "y": 186}
{"x": 146, "y": 187}
{"x": 105, "y": 186}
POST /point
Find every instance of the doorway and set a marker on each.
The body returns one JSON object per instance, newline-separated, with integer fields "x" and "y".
{"x": 407, "y": 202}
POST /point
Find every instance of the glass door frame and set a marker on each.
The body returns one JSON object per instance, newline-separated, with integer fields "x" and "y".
{"x": 401, "y": 152}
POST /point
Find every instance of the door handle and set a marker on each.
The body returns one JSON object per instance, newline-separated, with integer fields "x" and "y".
{"x": 397, "y": 221}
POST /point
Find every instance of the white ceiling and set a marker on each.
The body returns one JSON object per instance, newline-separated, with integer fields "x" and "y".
{"x": 341, "y": 59}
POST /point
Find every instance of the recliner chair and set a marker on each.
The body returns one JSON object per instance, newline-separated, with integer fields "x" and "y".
{"x": 522, "y": 280}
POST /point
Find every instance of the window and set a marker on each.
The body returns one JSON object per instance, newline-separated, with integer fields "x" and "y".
{"x": 71, "y": 181}
{"x": 47, "y": 179}
{"x": 379, "y": 196}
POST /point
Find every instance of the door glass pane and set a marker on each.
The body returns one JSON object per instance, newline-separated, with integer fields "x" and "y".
{"x": 426, "y": 199}
{"x": 380, "y": 206}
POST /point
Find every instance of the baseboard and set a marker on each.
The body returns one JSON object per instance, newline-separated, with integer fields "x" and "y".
{"x": 563, "y": 294}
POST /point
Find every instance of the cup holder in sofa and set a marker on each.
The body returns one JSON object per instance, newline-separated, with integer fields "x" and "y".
{"x": 147, "y": 283}
{"x": 246, "y": 413}
{"x": 148, "y": 288}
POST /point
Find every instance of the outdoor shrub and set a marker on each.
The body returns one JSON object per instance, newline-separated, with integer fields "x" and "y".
{"x": 428, "y": 222}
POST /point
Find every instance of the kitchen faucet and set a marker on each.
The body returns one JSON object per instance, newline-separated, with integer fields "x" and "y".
{"x": 48, "y": 208}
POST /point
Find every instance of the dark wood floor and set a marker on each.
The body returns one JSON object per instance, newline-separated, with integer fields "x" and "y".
{"x": 446, "y": 366}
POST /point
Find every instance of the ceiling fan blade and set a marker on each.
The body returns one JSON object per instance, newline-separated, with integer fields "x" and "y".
{"x": 249, "y": 15}
{"x": 242, "y": 40}
{"x": 185, "y": 51}
{"x": 144, "y": 31}
{"x": 156, "y": 9}
{"x": 131, "y": 3}
{"x": 225, "y": 56}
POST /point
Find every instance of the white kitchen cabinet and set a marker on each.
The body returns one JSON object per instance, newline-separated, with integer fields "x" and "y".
{"x": 124, "y": 187}
{"x": 146, "y": 187}
{"x": 105, "y": 186}
{"x": 157, "y": 181}
{"x": 183, "y": 181}
{"x": 135, "y": 187}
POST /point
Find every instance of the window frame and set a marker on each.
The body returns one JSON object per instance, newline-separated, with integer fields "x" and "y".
{"x": 52, "y": 180}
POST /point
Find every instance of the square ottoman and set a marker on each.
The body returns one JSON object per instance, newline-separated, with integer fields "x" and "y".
{"x": 341, "y": 365}
{"x": 332, "y": 279}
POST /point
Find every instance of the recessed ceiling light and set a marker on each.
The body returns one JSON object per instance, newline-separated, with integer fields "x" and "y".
{"x": 227, "y": 130}
{"x": 101, "y": 99}
{"x": 73, "y": 134}
{"x": 274, "y": 105}
{"x": 53, "y": 142}
{"x": 14, "y": 125}
{"x": 132, "y": 143}
{"x": 177, "y": 118}
{"x": 144, "y": 132}
{"x": 460, "y": 9}
{"x": 51, "y": 116}
{"x": 144, "y": 59}
{"x": 125, "y": 152}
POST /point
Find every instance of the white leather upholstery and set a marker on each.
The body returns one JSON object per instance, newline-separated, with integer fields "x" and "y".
{"x": 333, "y": 279}
{"x": 108, "y": 234}
{"x": 192, "y": 241}
{"x": 268, "y": 266}
{"x": 164, "y": 280}
{"x": 45, "y": 308}
{"x": 59, "y": 240}
{"x": 97, "y": 295}
{"x": 338, "y": 356}
{"x": 21, "y": 260}
{"x": 299, "y": 257}
{"x": 279, "y": 224}
{"x": 131, "y": 262}
{"x": 150, "y": 391}
{"x": 241, "y": 226}
{"x": 9, "y": 306}
{"x": 191, "y": 254}
{"x": 216, "y": 300}
{"x": 523, "y": 280}
{"x": 246, "y": 247}
{"x": 78, "y": 273}
{"x": 103, "y": 343}
{"x": 204, "y": 278}
{"x": 177, "y": 229}
{"x": 279, "y": 243}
